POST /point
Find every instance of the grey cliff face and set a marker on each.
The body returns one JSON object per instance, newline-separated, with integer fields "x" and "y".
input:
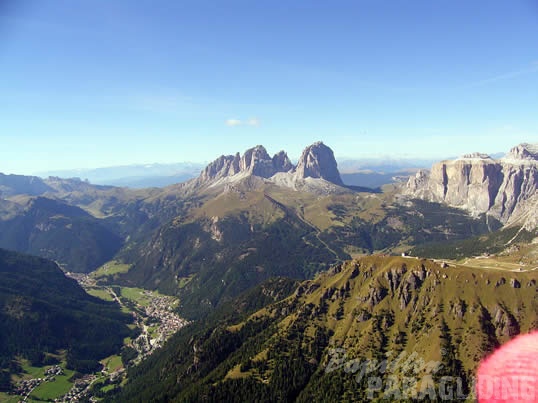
{"x": 480, "y": 184}
{"x": 225, "y": 165}
{"x": 255, "y": 161}
{"x": 281, "y": 162}
{"x": 317, "y": 161}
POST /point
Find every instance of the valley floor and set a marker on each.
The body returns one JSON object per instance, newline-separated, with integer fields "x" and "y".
{"x": 154, "y": 317}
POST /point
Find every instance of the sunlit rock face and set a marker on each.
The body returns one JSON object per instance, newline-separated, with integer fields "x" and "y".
{"x": 317, "y": 161}
{"x": 504, "y": 188}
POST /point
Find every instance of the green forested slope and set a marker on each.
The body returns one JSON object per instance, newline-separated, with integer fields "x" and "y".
{"x": 41, "y": 310}
{"x": 372, "y": 308}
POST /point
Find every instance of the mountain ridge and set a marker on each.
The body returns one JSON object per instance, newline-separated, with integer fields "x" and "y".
{"x": 60, "y": 231}
{"x": 308, "y": 346}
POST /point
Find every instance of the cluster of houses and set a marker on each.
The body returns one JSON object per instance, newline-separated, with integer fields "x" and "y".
{"x": 78, "y": 391}
{"x": 159, "y": 311}
{"x": 83, "y": 279}
{"x": 52, "y": 371}
{"x": 160, "y": 308}
{"x": 26, "y": 386}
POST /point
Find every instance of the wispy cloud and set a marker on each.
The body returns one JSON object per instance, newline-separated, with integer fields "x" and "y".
{"x": 238, "y": 122}
{"x": 530, "y": 69}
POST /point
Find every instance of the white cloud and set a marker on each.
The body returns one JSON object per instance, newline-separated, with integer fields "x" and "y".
{"x": 233, "y": 122}
{"x": 238, "y": 122}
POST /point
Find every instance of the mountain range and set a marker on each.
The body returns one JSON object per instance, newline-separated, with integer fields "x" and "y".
{"x": 366, "y": 172}
{"x": 212, "y": 231}
{"x": 278, "y": 265}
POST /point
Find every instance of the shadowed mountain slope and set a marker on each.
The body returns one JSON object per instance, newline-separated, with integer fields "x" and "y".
{"x": 42, "y": 311}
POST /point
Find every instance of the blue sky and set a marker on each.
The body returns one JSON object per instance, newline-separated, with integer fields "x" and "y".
{"x": 91, "y": 83}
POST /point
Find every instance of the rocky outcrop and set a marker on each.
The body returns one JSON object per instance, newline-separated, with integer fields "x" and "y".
{"x": 317, "y": 161}
{"x": 480, "y": 184}
{"x": 375, "y": 295}
{"x": 522, "y": 152}
{"x": 394, "y": 277}
{"x": 505, "y": 323}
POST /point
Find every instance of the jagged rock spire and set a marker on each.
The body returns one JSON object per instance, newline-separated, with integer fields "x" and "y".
{"x": 317, "y": 161}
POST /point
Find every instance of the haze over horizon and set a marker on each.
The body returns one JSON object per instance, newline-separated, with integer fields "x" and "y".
{"x": 98, "y": 84}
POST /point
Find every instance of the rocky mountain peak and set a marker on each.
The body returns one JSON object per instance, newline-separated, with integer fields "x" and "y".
{"x": 281, "y": 162}
{"x": 257, "y": 161}
{"x": 523, "y": 151}
{"x": 317, "y": 161}
{"x": 225, "y": 165}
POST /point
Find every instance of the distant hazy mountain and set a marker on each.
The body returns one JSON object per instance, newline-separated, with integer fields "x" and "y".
{"x": 389, "y": 164}
{"x": 376, "y": 172}
{"x": 136, "y": 176}
{"x": 372, "y": 179}
{"x": 382, "y": 164}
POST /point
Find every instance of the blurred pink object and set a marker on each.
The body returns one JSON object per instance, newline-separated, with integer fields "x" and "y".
{"x": 510, "y": 374}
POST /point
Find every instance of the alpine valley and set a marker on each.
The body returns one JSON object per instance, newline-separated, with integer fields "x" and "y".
{"x": 265, "y": 280}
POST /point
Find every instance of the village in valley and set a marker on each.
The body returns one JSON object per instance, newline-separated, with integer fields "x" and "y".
{"x": 154, "y": 318}
{"x": 154, "y": 314}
